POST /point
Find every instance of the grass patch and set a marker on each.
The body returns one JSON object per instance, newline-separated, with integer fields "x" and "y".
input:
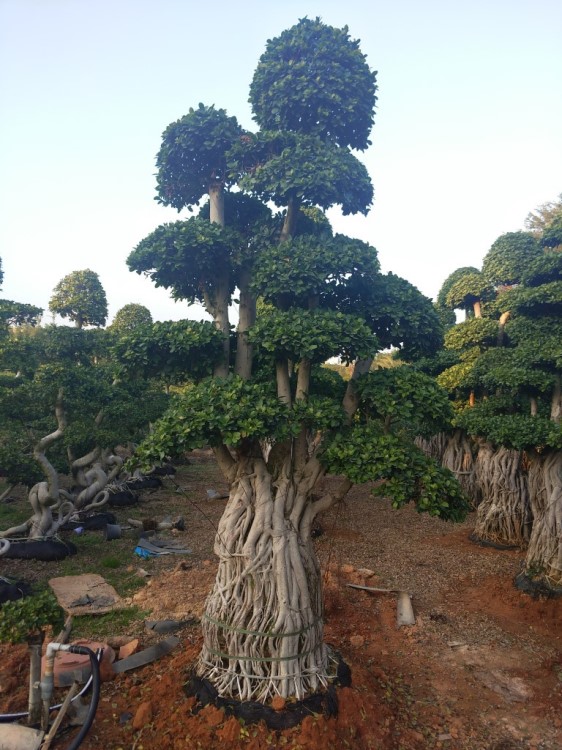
{"x": 13, "y": 514}
{"x": 99, "y": 627}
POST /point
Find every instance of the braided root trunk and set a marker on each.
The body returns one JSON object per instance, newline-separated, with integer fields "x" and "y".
{"x": 544, "y": 555}
{"x": 504, "y": 515}
{"x": 263, "y": 626}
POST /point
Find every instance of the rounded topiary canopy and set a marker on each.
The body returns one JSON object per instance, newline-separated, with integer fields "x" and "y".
{"x": 313, "y": 79}
{"x": 466, "y": 290}
{"x": 131, "y": 316}
{"x": 508, "y": 258}
{"x": 451, "y": 279}
{"x": 193, "y": 155}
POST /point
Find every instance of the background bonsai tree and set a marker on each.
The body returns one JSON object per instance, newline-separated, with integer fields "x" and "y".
{"x": 80, "y": 297}
{"x": 276, "y": 425}
{"x": 129, "y": 317}
{"x": 506, "y": 388}
{"x": 65, "y": 411}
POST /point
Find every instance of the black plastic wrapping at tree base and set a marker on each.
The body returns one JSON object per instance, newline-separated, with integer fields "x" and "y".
{"x": 251, "y": 712}
{"x": 96, "y": 522}
{"x": 494, "y": 545}
{"x": 536, "y": 588}
{"x": 11, "y": 591}
{"x": 48, "y": 550}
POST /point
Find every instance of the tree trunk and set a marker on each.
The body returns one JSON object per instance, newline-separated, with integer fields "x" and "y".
{"x": 246, "y": 319}
{"x": 556, "y": 404}
{"x": 544, "y": 555}
{"x": 290, "y": 223}
{"x": 221, "y": 292}
{"x": 504, "y": 514}
{"x": 477, "y": 307}
{"x": 263, "y": 626}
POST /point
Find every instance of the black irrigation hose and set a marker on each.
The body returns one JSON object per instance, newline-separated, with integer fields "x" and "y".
{"x": 96, "y": 684}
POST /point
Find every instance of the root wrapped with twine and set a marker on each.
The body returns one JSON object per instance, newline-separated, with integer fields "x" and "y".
{"x": 263, "y": 626}
{"x": 544, "y": 554}
{"x": 504, "y": 514}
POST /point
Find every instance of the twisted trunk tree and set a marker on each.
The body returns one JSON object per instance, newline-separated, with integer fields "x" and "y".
{"x": 504, "y": 515}
{"x": 264, "y": 619}
{"x": 263, "y": 624}
{"x": 544, "y": 554}
{"x": 46, "y": 498}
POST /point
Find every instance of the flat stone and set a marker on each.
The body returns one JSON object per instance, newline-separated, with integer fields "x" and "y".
{"x": 88, "y": 594}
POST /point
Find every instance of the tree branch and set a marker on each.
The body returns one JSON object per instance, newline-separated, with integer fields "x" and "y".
{"x": 283, "y": 382}
{"x": 226, "y": 462}
{"x": 246, "y": 319}
{"x": 351, "y": 400}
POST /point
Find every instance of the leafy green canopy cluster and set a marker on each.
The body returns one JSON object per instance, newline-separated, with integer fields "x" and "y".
{"x": 313, "y": 79}
{"x": 504, "y": 362}
{"x": 129, "y": 317}
{"x": 193, "y": 154}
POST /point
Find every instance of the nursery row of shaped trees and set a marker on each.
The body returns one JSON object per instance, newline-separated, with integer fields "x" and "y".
{"x": 502, "y": 367}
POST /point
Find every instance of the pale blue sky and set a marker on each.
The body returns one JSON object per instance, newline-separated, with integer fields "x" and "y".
{"x": 467, "y": 137}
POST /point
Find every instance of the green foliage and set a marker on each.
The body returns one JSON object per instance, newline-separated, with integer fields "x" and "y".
{"x": 184, "y": 257}
{"x": 328, "y": 381}
{"x": 542, "y": 270}
{"x": 450, "y": 281}
{"x": 508, "y": 257}
{"x": 366, "y": 453}
{"x": 193, "y": 155}
{"x": 552, "y": 236}
{"x": 466, "y": 290}
{"x": 507, "y": 368}
{"x": 480, "y": 332}
{"x": 80, "y": 297}
{"x": 315, "y": 335}
{"x": 99, "y": 410}
{"x": 278, "y": 167}
{"x": 517, "y": 431}
{"x": 447, "y": 317}
{"x": 18, "y": 314}
{"x": 404, "y": 400}
{"x": 129, "y": 317}
{"x": 313, "y": 79}
{"x": 399, "y": 315}
{"x": 319, "y": 295}
{"x": 304, "y": 266}
{"x": 460, "y": 376}
{"x": 25, "y": 618}
{"x": 536, "y": 300}
{"x": 538, "y": 340}
{"x": 441, "y": 361}
{"x": 173, "y": 351}
{"x": 246, "y": 215}
{"x": 212, "y": 412}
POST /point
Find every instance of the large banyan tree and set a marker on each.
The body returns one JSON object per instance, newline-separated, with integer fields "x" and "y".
{"x": 276, "y": 420}
{"x": 505, "y": 379}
